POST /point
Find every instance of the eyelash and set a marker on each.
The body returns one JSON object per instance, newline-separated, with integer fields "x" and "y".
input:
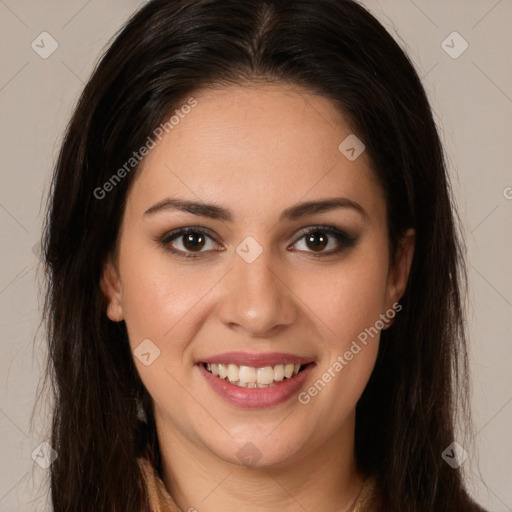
{"x": 341, "y": 237}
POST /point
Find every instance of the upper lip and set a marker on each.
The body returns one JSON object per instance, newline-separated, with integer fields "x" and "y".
{"x": 256, "y": 360}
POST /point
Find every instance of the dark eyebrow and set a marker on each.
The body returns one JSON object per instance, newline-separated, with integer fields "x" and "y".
{"x": 216, "y": 212}
{"x": 324, "y": 205}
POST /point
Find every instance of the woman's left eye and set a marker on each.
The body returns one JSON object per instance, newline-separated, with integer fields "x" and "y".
{"x": 325, "y": 241}
{"x": 320, "y": 241}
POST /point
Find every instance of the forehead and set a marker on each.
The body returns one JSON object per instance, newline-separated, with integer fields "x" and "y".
{"x": 255, "y": 147}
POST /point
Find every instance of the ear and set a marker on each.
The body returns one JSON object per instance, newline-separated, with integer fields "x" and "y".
{"x": 110, "y": 285}
{"x": 399, "y": 272}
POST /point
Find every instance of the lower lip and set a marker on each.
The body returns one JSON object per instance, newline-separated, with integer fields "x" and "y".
{"x": 256, "y": 397}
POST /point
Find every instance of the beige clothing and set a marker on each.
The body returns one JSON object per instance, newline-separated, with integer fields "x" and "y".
{"x": 160, "y": 500}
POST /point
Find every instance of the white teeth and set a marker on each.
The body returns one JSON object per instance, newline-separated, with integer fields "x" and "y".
{"x": 233, "y": 372}
{"x": 288, "y": 370}
{"x": 223, "y": 371}
{"x": 250, "y": 377}
{"x": 278, "y": 372}
{"x": 247, "y": 374}
{"x": 266, "y": 375}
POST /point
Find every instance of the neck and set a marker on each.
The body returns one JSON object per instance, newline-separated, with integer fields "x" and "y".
{"x": 325, "y": 477}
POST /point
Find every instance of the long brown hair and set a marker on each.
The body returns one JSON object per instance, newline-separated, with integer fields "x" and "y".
{"x": 166, "y": 51}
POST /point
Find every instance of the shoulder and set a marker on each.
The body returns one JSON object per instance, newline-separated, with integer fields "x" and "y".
{"x": 370, "y": 497}
{"x": 158, "y": 497}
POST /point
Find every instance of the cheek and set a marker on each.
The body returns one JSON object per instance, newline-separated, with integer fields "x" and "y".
{"x": 158, "y": 296}
{"x": 350, "y": 299}
{"x": 348, "y": 309}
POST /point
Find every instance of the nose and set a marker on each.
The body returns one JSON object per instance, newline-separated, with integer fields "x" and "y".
{"x": 256, "y": 298}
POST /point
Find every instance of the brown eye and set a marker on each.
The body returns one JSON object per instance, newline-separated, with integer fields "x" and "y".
{"x": 317, "y": 241}
{"x": 189, "y": 242}
{"x": 193, "y": 241}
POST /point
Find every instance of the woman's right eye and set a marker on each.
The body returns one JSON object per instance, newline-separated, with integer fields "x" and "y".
{"x": 187, "y": 241}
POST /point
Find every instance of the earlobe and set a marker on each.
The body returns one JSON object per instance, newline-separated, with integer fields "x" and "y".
{"x": 115, "y": 311}
{"x": 399, "y": 273}
{"x": 110, "y": 285}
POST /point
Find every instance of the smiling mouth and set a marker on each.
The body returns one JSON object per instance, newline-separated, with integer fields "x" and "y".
{"x": 251, "y": 377}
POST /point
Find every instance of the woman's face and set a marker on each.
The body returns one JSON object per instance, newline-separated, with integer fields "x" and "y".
{"x": 269, "y": 277}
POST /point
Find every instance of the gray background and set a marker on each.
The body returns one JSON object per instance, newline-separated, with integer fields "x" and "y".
{"x": 472, "y": 99}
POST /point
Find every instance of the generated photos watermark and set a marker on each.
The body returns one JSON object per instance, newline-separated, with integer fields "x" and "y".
{"x": 355, "y": 348}
{"x": 137, "y": 156}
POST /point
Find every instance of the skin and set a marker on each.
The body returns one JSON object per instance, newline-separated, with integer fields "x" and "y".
{"x": 255, "y": 150}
